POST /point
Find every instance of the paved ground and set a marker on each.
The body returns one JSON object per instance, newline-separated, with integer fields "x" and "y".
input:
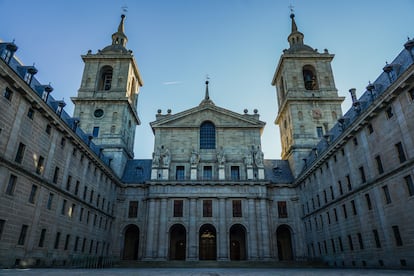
{"x": 204, "y": 272}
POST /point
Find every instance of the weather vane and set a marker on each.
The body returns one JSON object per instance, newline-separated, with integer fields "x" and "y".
{"x": 291, "y": 8}
{"x": 124, "y": 9}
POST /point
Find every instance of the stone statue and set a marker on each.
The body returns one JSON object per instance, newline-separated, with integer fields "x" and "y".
{"x": 258, "y": 157}
{"x": 166, "y": 158}
{"x": 156, "y": 157}
{"x": 248, "y": 158}
{"x": 195, "y": 157}
{"x": 221, "y": 158}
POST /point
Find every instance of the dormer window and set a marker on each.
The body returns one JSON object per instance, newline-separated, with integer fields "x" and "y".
{"x": 8, "y": 52}
{"x": 309, "y": 78}
{"x": 106, "y": 78}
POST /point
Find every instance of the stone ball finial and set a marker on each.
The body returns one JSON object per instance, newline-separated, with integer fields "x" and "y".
{"x": 255, "y": 111}
{"x": 159, "y": 111}
{"x": 169, "y": 111}
{"x": 245, "y": 111}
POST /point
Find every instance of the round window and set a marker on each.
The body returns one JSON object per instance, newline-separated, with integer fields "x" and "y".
{"x": 98, "y": 113}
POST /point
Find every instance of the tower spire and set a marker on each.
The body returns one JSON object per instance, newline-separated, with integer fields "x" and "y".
{"x": 207, "y": 96}
{"x": 119, "y": 38}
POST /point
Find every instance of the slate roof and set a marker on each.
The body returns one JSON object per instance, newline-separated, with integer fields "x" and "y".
{"x": 137, "y": 171}
{"x": 278, "y": 171}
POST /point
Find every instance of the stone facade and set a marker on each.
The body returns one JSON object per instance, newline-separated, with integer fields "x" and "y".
{"x": 71, "y": 191}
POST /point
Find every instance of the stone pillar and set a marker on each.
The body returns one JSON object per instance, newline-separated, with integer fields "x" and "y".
{"x": 192, "y": 245}
{"x": 163, "y": 232}
{"x": 223, "y": 238}
{"x": 250, "y": 172}
{"x": 222, "y": 175}
{"x": 252, "y": 230}
{"x": 150, "y": 230}
{"x": 264, "y": 215}
{"x": 193, "y": 175}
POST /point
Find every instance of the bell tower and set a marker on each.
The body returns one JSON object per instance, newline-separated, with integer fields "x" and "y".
{"x": 106, "y": 104}
{"x": 308, "y": 101}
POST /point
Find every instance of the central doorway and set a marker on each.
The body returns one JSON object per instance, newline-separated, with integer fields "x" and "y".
{"x": 207, "y": 242}
{"x": 131, "y": 242}
{"x": 237, "y": 243}
{"x": 178, "y": 239}
{"x": 284, "y": 243}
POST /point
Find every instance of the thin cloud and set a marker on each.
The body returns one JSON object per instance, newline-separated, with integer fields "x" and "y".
{"x": 172, "y": 82}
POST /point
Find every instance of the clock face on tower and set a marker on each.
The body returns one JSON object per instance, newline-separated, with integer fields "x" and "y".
{"x": 98, "y": 113}
{"x": 316, "y": 113}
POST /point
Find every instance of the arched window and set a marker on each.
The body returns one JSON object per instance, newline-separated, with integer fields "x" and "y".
{"x": 207, "y": 136}
{"x": 309, "y": 78}
{"x": 106, "y": 78}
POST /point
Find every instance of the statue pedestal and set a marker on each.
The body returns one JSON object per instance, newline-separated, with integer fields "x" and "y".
{"x": 222, "y": 175}
{"x": 154, "y": 174}
{"x": 193, "y": 175}
{"x": 261, "y": 174}
{"x": 249, "y": 172}
{"x": 164, "y": 175}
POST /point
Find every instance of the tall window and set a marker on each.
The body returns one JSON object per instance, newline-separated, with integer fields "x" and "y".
{"x": 319, "y": 132}
{"x": 22, "y": 236}
{"x": 362, "y": 174}
{"x": 95, "y": 131}
{"x": 20, "y": 153}
{"x": 386, "y": 194}
{"x": 133, "y": 209}
{"x": 207, "y": 173}
{"x": 11, "y": 186}
{"x": 360, "y": 241}
{"x": 282, "y": 209}
{"x": 376, "y": 238}
{"x": 179, "y": 173}
{"x": 106, "y": 78}
{"x": 68, "y": 182}
{"x": 309, "y": 78}
{"x": 67, "y": 242}
{"x": 56, "y": 175}
{"x": 42, "y": 238}
{"x": 207, "y": 208}
{"x": 380, "y": 168}
{"x": 410, "y": 185}
{"x": 2, "y": 223}
{"x": 63, "y": 210}
{"x": 397, "y": 236}
{"x": 237, "y": 208}
{"x": 39, "y": 166}
{"x": 401, "y": 154}
{"x": 32, "y": 195}
{"x": 368, "y": 199}
{"x": 207, "y": 136}
{"x": 57, "y": 238}
{"x": 49, "y": 201}
{"x": 8, "y": 93}
{"x": 178, "y": 208}
{"x": 235, "y": 173}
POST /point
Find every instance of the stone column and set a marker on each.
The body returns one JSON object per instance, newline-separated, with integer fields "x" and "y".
{"x": 150, "y": 230}
{"x": 192, "y": 232}
{"x": 264, "y": 215}
{"x": 223, "y": 238}
{"x": 252, "y": 230}
{"x": 163, "y": 232}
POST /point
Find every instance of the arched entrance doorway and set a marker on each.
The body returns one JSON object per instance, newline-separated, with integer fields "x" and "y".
{"x": 237, "y": 242}
{"x": 207, "y": 242}
{"x": 284, "y": 243}
{"x": 131, "y": 242}
{"x": 177, "y": 242}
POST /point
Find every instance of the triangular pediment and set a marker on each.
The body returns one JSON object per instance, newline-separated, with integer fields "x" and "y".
{"x": 219, "y": 116}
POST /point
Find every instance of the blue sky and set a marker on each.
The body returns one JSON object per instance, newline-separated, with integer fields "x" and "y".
{"x": 176, "y": 43}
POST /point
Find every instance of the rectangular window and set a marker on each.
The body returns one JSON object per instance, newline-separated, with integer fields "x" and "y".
{"x": 362, "y": 174}
{"x": 380, "y": 168}
{"x": 85, "y": 190}
{"x": 91, "y": 197}
{"x": 351, "y": 245}
{"x": 333, "y": 245}
{"x": 335, "y": 214}
{"x": 376, "y": 238}
{"x": 8, "y": 94}
{"x": 75, "y": 247}
{"x": 57, "y": 238}
{"x": 62, "y": 142}
{"x": 71, "y": 212}
{"x": 386, "y": 194}
{"x": 237, "y": 208}
{"x": 83, "y": 244}
{"x": 178, "y": 208}
{"x": 68, "y": 182}
{"x": 397, "y": 236}
{"x": 30, "y": 113}
{"x": 179, "y": 173}
{"x": 319, "y": 132}
{"x": 56, "y": 175}
{"x": 90, "y": 246}
{"x": 62, "y": 211}
{"x": 348, "y": 182}
{"x": 49, "y": 201}
{"x": 67, "y": 242}
{"x": 77, "y": 187}
{"x": 11, "y": 186}
{"x": 355, "y": 141}
{"x": 42, "y": 238}
{"x": 32, "y": 196}
{"x": 344, "y": 210}
{"x": 48, "y": 129}
{"x": 370, "y": 128}
{"x": 235, "y": 173}
{"x": 2, "y": 223}
{"x": 39, "y": 166}
{"x": 22, "y": 236}
{"x": 95, "y": 132}
{"x": 400, "y": 151}
{"x": 368, "y": 199}
{"x": 207, "y": 208}
{"x": 354, "y": 210}
{"x": 332, "y": 192}
{"x": 20, "y": 153}
{"x": 389, "y": 112}
{"x": 341, "y": 247}
{"x": 328, "y": 217}
{"x": 87, "y": 217}
{"x": 282, "y": 209}
{"x": 208, "y": 173}
{"x": 341, "y": 192}
{"x": 133, "y": 209}
{"x": 410, "y": 185}
{"x": 361, "y": 243}
{"x": 81, "y": 214}
{"x": 325, "y": 197}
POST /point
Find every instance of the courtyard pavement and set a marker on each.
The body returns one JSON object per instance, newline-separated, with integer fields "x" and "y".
{"x": 204, "y": 272}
